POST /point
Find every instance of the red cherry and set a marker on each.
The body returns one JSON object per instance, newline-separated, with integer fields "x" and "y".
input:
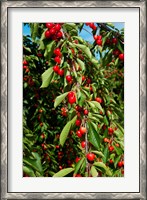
{"x": 99, "y": 42}
{"x": 120, "y": 164}
{"x": 25, "y": 62}
{"x": 77, "y": 159}
{"x": 110, "y": 161}
{"x": 79, "y": 134}
{"x": 105, "y": 139}
{"x": 95, "y": 37}
{"x": 114, "y": 40}
{"x": 56, "y": 68}
{"x": 82, "y": 130}
{"x": 47, "y": 34}
{"x": 91, "y": 25}
{"x": 72, "y": 100}
{"x": 121, "y": 56}
{"x": 111, "y": 148}
{"x": 83, "y": 144}
{"x": 25, "y": 67}
{"x": 98, "y": 99}
{"x": 57, "y": 52}
{"x": 116, "y": 52}
{"x": 57, "y": 59}
{"x": 83, "y": 78}
{"x": 68, "y": 78}
{"x": 90, "y": 156}
{"x": 110, "y": 131}
{"x": 77, "y": 175}
{"x": 88, "y": 81}
{"x": 49, "y": 25}
{"x": 86, "y": 112}
{"x": 59, "y": 34}
{"x": 52, "y": 31}
{"x": 99, "y": 37}
{"x": 78, "y": 122}
{"x": 71, "y": 94}
{"x": 57, "y": 27}
{"x": 61, "y": 72}
{"x": 108, "y": 41}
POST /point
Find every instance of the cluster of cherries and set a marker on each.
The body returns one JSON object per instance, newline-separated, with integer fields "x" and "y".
{"x": 98, "y": 39}
{"x": 57, "y": 60}
{"x": 25, "y": 66}
{"x": 53, "y": 32}
{"x": 71, "y": 97}
{"x": 91, "y": 25}
{"x": 64, "y": 111}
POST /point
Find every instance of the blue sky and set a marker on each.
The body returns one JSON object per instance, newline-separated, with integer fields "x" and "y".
{"x": 84, "y": 34}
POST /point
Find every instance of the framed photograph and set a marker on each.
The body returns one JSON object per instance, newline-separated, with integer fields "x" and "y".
{"x": 73, "y": 94}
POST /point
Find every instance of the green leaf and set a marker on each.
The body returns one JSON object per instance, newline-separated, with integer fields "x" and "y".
{"x": 106, "y": 154}
{"x": 28, "y": 171}
{"x": 81, "y": 63}
{"x": 34, "y": 30}
{"x": 73, "y": 120}
{"x": 117, "y": 160}
{"x": 103, "y": 166}
{"x": 64, "y": 133}
{"x": 78, "y": 165}
{"x": 93, "y": 171}
{"x": 98, "y": 105}
{"x": 93, "y": 135}
{"x": 49, "y": 49}
{"x": 78, "y": 38}
{"x": 27, "y": 49}
{"x": 47, "y": 77}
{"x": 59, "y": 99}
{"x": 63, "y": 172}
{"x": 119, "y": 47}
{"x": 34, "y": 163}
{"x": 106, "y": 120}
{"x": 85, "y": 49}
{"x": 98, "y": 153}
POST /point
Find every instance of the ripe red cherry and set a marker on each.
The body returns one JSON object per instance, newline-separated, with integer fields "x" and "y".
{"x": 99, "y": 37}
{"x": 78, "y": 175}
{"x": 110, "y": 131}
{"x": 49, "y": 25}
{"x": 57, "y": 52}
{"x": 60, "y": 72}
{"x": 86, "y": 112}
{"x": 79, "y": 134}
{"x": 47, "y": 34}
{"x": 88, "y": 81}
{"x": 110, "y": 161}
{"x": 59, "y": 34}
{"x": 91, "y": 25}
{"x": 108, "y": 41}
{"x": 98, "y": 99}
{"x": 83, "y": 78}
{"x": 114, "y": 40}
{"x": 111, "y": 148}
{"x": 90, "y": 156}
{"x": 25, "y": 67}
{"x": 52, "y": 31}
{"x": 72, "y": 99}
{"x": 120, "y": 164}
{"x": 56, "y": 68}
{"x": 68, "y": 78}
{"x": 71, "y": 94}
{"x": 57, "y": 59}
{"x": 121, "y": 56}
{"x": 82, "y": 130}
{"x": 78, "y": 122}
{"x": 57, "y": 27}
{"x": 25, "y": 62}
{"x": 83, "y": 144}
{"x": 99, "y": 42}
{"x": 95, "y": 37}
{"x": 77, "y": 159}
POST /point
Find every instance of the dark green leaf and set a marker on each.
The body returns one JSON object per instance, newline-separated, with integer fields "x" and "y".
{"x": 47, "y": 77}
{"x": 64, "y": 133}
{"x": 59, "y": 99}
